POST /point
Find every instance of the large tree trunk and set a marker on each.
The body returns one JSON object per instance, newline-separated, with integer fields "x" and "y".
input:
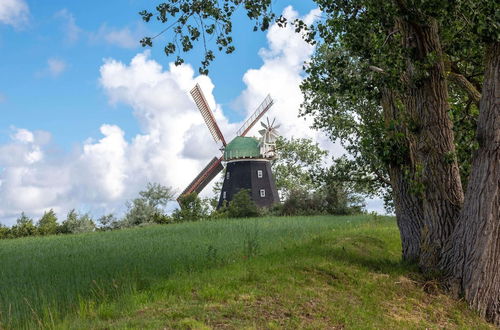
{"x": 472, "y": 259}
{"x": 427, "y": 103}
{"x": 408, "y": 205}
{"x": 408, "y": 213}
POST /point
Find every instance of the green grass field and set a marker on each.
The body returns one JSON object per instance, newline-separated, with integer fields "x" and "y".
{"x": 287, "y": 272}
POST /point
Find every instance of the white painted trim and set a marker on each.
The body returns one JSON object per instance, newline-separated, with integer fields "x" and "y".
{"x": 248, "y": 160}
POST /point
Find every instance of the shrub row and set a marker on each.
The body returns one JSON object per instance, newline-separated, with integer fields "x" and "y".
{"x": 149, "y": 209}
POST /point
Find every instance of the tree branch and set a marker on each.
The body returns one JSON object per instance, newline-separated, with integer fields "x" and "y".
{"x": 376, "y": 69}
{"x": 466, "y": 85}
{"x": 380, "y": 177}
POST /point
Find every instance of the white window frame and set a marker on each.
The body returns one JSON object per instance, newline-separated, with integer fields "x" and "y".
{"x": 227, "y": 175}
{"x": 263, "y": 193}
{"x": 223, "y": 195}
{"x": 259, "y": 174}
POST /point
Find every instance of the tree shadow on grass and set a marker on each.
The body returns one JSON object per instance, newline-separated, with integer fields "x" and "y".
{"x": 368, "y": 252}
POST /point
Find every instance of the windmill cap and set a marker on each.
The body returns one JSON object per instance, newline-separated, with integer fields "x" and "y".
{"x": 242, "y": 147}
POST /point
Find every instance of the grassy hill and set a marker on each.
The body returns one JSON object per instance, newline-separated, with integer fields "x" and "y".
{"x": 288, "y": 272}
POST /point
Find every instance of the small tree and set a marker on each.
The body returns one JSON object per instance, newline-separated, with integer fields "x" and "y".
{"x": 108, "y": 222}
{"x": 296, "y": 203}
{"x": 24, "y": 227}
{"x": 157, "y": 195}
{"x": 216, "y": 189}
{"x": 242, "y": 206}
{"x": 85, "y": 224}
{"x": 47, "y": 225}
{"x": 139, "y": 212}
{"x": 68, "y": 223}
{"x": 296, "y": 164}
{"x": 149, "y": 207}
{"x": 337, "y": 200}
{"x": 76, "y": 223}
{"x": 192, "y": 208}
{"x": 4, "y": 232}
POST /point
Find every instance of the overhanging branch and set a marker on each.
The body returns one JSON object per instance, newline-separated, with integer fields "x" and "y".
{"x": 466, "y": 85}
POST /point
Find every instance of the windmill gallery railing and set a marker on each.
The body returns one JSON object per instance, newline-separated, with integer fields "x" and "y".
{"x": 259, "y": 112}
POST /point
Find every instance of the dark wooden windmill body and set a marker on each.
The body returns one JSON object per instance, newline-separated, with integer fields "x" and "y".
{"x": 248, "y": 159}
{"x": 252, "y": 175}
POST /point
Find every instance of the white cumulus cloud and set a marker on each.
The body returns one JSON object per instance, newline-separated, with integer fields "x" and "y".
{"x": 14, "y": 13}
{"x": 167, "y": 115}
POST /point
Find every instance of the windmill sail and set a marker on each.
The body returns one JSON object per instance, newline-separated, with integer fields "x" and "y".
{"x": 204, "y": 177}
{"x": 269, "y": 135}
{"x": 259, "y": 112}
{"x": 208, "y": 116}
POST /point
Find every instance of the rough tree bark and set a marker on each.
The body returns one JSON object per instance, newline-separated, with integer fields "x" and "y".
{"x": 426, "y": 100}
{"x": 408, "y": 214}
{"x": 472, "y": 257}
{"x": 408, "y": 205}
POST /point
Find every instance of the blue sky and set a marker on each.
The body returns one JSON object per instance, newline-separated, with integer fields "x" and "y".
{"x": 88, "y": 117}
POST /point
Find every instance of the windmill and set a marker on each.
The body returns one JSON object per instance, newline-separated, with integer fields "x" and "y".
{"x": 248, "y": 160}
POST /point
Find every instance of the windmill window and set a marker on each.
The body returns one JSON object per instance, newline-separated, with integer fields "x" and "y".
{"x": 223, "y": 195}
{"x": 259, "y": 174}
{"x": 227, "y": 175}
{"x": 262, "y": 193}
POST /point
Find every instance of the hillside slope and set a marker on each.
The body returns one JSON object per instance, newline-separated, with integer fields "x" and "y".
{"x": 297, "y": 272}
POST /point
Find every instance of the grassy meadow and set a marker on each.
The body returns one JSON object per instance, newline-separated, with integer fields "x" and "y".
{"x": 286, "y": 272}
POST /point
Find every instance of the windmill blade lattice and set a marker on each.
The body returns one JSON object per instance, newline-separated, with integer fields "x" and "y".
{"x": 254, "y": 118}
{"x": 202, "y": 104}
{"x": 205, "y": 176}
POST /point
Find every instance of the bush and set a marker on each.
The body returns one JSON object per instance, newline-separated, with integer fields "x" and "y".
{"x": 24, "y": 227}
{"x": 76, "y": 223}
{"x": 4, "y": 232}
{"x": 221, "y": 213}
{"x": 162, "y": 219}
{"x": 300, "y": 202}
{"x": 109, "y": 222}
{"x": 294, "y": 203}
{"x": 242, "y": 206}
{"x": 148, "y": 207}
{"x": 329, "y": 199}
{"x": 274, "y": 210}
{"x": 338, "y": 201}
{"x": 191, "y": 208}
{"x": 139, "y": 212}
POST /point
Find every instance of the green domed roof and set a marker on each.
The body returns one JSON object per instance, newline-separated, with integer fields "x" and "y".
{"x": 242, "y": 147}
